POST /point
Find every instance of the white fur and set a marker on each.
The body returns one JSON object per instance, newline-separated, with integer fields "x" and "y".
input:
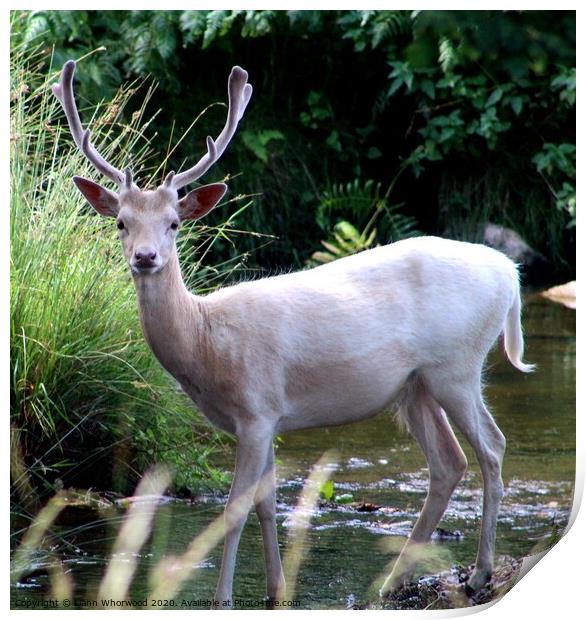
{"x": 412, "y": 321}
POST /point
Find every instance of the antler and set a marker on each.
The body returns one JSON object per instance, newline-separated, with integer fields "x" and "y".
{"x": 64, "y": 92}
{"x": 239, "y": 92}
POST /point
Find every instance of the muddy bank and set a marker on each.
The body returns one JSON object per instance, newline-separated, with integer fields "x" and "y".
{"x": 448, "y": 590}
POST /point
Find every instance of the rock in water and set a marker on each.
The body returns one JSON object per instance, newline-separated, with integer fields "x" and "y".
{"x": 563, "y": 294}
{"x": 536, "y": 268}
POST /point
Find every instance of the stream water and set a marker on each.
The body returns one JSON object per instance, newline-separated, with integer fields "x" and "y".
{"x": 347, "y": 552}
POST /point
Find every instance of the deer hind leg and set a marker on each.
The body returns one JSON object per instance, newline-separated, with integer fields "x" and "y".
{"x": 447, "y": 463}
{"x": 465, "y": 407}
{"x": 265, "y": 502}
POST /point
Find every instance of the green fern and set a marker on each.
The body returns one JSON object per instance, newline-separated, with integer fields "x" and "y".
{"x": 208, "y": 26}
{"x": 351, "y": 200}
{"x": 193, "y": 25}
{"x": 345, "y": 242}
{"x": 218, "y": 23}
{"x": 397, "y": 225}
{"x": 371, "y": 28}
{"x": 364, "y": 204}
{"x": 448, "y": 55}
{"x": 257, "y": 23}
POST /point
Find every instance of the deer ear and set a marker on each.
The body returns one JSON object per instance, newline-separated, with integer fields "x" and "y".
{"x": 104, "y": 201}
{"x": 201, "y": 201}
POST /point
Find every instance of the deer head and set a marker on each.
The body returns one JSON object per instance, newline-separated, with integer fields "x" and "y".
{"x": 148, "y": 220}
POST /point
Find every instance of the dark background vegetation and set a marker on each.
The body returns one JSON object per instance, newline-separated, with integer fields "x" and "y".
{"x": 364, "y": 127}
{"x": 473, "y": 110}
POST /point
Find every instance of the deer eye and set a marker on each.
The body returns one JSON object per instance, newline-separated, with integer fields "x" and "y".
{"x": 120, "y": 225}
{"x": 174, "y": 225}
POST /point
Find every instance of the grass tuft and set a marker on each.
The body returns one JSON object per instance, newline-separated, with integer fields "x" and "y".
{"x": 90, "y": 406}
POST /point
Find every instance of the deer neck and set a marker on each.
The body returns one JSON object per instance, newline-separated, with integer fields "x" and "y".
{"x": 170, "y": 315}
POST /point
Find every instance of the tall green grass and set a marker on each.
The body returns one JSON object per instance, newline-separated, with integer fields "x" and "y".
{"x": 90, "y": 406}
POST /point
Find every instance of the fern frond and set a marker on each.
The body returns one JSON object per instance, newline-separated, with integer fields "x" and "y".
{"x": 351, "y": 200}
{"x": 346, "y": 241}
{"x": 448, "y": 55}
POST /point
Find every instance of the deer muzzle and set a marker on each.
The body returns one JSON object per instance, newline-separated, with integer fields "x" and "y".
{"x": 145, "y": 259}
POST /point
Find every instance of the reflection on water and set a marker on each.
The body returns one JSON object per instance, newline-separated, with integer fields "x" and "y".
{"x": 348, "y": 552}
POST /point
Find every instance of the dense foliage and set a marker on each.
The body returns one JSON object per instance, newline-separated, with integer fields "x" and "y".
{"x": 459, "y": 117}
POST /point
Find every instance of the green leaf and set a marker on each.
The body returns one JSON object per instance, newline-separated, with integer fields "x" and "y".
{"x": 394, "y": 87}
{"x": 495, "y": 97}
{"x": 347, "y": 231}
{"x": 330, "y": 247}
{"x": 327, "y": 490}
{"x": 270, "y": 134}
{"x": 257, "y": 141}
{"x": 428, "y": 87}
{"x": 322, "y": 257}
{"x": 333, "y": 141}
{"x": 447, "y": 134}
{"x": 517, "y": 105}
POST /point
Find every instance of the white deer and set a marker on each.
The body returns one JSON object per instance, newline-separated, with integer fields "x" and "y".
{"x": 410, "y": 323}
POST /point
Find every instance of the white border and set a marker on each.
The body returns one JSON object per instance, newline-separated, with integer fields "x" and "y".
{"x": 553, "y": 586}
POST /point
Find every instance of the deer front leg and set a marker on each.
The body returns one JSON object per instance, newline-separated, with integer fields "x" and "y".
{"x": 265, "y": 501}
{"x": 250, "y": 464}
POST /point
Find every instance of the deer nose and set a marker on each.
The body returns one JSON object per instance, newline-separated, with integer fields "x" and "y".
{"x": 145, "y": 257}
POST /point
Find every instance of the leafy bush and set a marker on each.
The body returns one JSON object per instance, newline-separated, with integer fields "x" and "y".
{"x": 450, "y": 97}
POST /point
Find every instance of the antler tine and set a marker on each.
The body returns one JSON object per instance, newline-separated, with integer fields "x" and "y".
{"x": 168, "y": 182}
{"x": 127, "y": 178}
{"x": 64, "y": 93}
{"x": 239, "y": 93}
